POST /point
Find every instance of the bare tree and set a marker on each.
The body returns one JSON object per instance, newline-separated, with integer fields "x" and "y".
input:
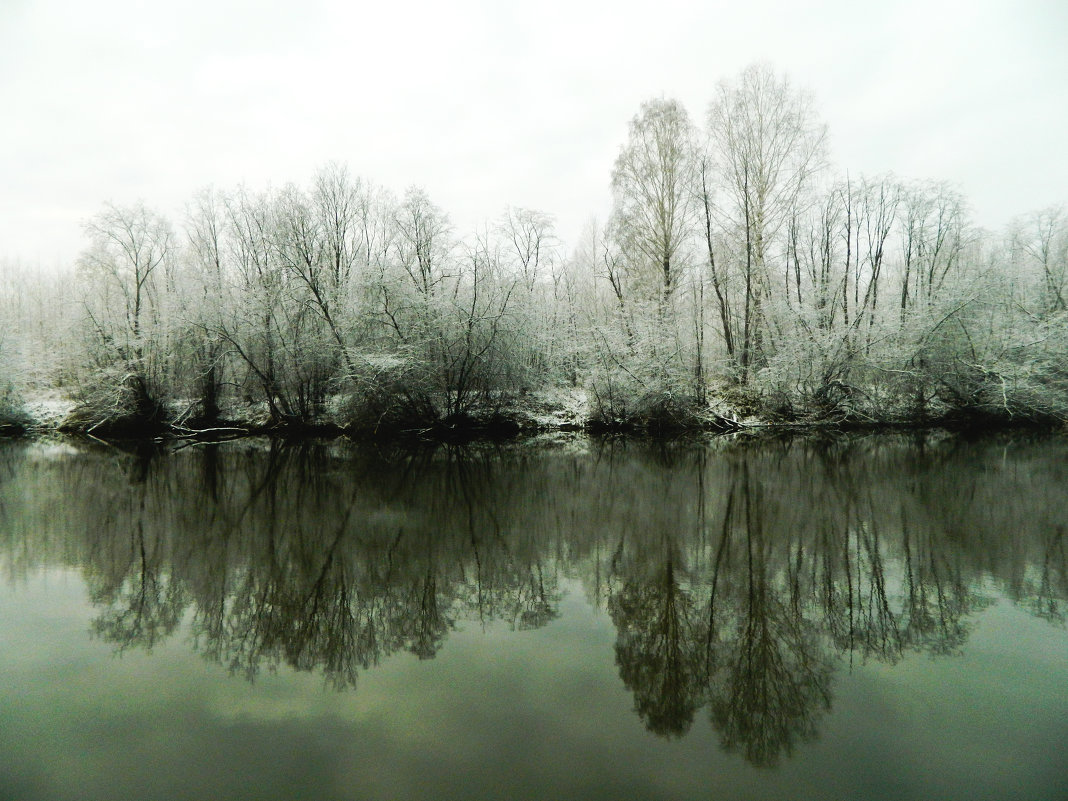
{"x": 531, "y": 241}
{"x": 933, "y": 241}
{"x": 205, "y": 233}
{"x": 1046, "y": 241}
{"x": 124, "y": 305}
{"x": 257, "y": 326}
{"x": 314, "y": 241}
{"x": 767, "y": 145}
{"x": 423, "y": 240}
{"x": 128, "y": 244}
{"x": 652, "y": 184}
{"x": 530, "y": 251}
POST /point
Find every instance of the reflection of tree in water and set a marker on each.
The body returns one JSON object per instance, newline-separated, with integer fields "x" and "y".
{"x": 747, "y": 652}
{"x": 771, "y": 681}
{"x": 142, "y": 603}
{"x": 144, "y": 607}
{"x": 1043, "y": 589}
{"x": 291, "y": 559}
{"x": 738, "y": 587}
{"x": 793, "y": 580}
{"x": 773, "y": 685}
{"x": 296, "y": 604}
{"x": 503, "y": 572}
{"x": 938, "y": 598}
{"x": 656, "y": 649}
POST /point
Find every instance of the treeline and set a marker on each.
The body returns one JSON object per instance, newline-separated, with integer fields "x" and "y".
{"x": 736, "y": 275}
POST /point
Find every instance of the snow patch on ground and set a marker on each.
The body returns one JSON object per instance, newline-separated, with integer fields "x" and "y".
{"x": 47, "y": 410}
{"x": 553, "y": 409}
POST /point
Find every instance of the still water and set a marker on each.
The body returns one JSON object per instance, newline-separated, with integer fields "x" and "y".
{"x": 872, "y": 618}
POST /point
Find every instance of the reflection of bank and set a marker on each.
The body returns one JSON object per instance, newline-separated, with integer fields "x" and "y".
{"x": 736, "y": 581}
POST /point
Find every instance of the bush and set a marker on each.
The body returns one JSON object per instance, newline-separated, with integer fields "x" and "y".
{"x": 116, "y": 402}
{"x": 623, "y": 401}
{"x": 389, "y": 394}
{"x": 13, "y": 416}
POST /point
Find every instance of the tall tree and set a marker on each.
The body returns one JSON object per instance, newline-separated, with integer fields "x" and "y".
{"x": 1045, "y": 240}
{"x": 128, "y": 244}
{"x": 766, "y": 145}
{"x": 206, "y": 304}
{"x": 124, "y": 301}
{"x": 652, "y": 185}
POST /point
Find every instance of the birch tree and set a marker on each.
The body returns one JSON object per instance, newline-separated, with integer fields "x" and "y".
{"x": 766, "y": 145}
{"x": 652, "y": 188}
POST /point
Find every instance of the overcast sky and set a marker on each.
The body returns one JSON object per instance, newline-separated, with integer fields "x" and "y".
{"x": 489, "y": 103}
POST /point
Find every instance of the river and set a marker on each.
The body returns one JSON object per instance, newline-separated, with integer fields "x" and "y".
{"x": 866, "y": 617}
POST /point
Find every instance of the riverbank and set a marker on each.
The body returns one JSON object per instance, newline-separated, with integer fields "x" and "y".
{"x": 534, "y": 414}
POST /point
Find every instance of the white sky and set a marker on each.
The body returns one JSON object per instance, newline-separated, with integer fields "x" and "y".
{"x": 487, "y": 103}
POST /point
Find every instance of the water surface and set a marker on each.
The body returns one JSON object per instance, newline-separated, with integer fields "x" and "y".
{"x": 877, "y": 618}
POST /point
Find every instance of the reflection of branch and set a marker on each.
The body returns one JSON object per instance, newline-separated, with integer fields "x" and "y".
{"x": 1047, "y": 604}
{"x": 728, "y": 523}
{"x": 656, "y": 651}
{"x": 777, "y": 688}
{"x": 144, "y": 608}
